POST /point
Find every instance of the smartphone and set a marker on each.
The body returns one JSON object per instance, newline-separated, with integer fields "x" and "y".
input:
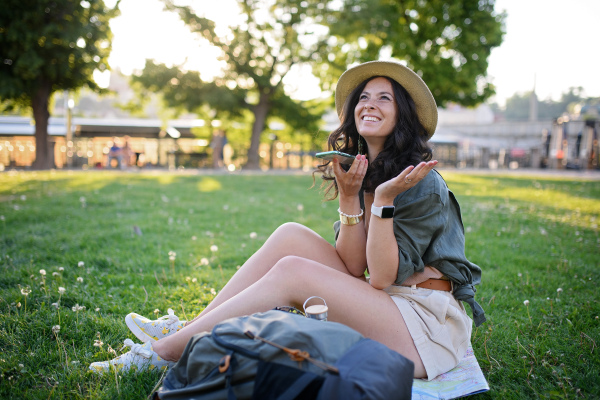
{"x": 343, "y": 158}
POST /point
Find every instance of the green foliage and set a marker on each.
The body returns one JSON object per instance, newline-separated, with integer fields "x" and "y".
{"x": 259, "y": 52}
{"x": 60, "y": 42}
{"x": 446, "y": 42}
{"x": 50, "y": 45}
{"x": 185, "y": 91}
{"x": 530, "y": 235}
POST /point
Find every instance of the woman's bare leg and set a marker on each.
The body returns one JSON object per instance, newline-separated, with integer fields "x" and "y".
{"x": 290, "y": 239}
{"x": 351, "y": 302}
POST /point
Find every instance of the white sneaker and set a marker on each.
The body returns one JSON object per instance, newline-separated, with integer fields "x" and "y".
{"x": 139, "y": 357}
{"x": 150, "y": 331}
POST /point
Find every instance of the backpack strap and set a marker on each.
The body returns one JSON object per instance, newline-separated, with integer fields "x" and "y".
{"x": 223, "y": 343}
{"x": 298, "y": 386}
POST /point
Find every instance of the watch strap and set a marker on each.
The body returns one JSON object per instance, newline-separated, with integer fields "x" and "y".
{"x": 383, "y": 211}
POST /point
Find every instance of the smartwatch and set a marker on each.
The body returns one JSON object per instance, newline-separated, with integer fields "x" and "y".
{"x": 383, "y": 212}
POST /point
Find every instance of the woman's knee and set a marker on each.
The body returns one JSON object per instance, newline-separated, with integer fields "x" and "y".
{"x": 290, "y": 267}
{"x": 290, "y": 229}
{"x": 293, "y": 236}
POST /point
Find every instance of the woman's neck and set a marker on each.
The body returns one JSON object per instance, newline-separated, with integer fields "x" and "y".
{"x": 373, "y": 151}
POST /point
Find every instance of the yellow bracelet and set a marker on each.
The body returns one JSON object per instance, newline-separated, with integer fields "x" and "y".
{"x": 350, "y": 220}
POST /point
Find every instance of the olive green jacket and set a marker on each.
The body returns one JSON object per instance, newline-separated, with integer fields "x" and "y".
{"x": 429, "y": 232}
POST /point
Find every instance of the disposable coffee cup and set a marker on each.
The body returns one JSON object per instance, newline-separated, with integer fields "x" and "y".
{"x": 316, "y": 311}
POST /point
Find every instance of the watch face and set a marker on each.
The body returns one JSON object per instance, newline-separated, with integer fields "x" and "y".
{"x": 387, "y": 212}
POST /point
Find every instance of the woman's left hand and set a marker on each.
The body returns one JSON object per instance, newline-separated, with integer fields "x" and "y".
{"x": 387, "y": 191}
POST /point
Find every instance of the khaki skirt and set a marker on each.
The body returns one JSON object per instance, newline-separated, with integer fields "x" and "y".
{"x": 438, "y": 324}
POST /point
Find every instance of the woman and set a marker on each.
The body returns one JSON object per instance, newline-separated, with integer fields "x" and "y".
{"x": 398, "y": 220}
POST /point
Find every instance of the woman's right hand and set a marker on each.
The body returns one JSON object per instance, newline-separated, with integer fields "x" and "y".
{"x": 349, "y": 183}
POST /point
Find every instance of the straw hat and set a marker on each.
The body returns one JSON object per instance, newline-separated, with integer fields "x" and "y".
{"x": 414, "y": 85}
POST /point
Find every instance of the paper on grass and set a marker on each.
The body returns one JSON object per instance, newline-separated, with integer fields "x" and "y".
{"x": 464, "y": 380}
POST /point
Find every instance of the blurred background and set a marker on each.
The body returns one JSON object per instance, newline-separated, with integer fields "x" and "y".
{"x": 230, "y": 85}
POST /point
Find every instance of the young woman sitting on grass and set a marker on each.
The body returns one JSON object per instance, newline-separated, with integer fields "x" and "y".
{"x": 398, "y": 221}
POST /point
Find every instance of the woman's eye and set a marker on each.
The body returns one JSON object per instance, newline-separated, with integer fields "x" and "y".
{"x": 363, "y": 97}
{"x": 385, "y": 98}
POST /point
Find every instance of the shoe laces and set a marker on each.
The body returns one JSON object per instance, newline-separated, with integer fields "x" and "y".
{"x": 137, "y": 349}
{"x": 171, "y": 318}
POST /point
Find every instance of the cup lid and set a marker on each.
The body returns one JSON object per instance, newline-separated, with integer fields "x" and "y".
{"x": 317, "y": 309}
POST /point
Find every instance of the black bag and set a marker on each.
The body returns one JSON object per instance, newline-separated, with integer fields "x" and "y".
{"x": 279, "y": 355}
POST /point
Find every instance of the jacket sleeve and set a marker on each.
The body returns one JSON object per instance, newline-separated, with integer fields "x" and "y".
{"x": 415, "y": 224}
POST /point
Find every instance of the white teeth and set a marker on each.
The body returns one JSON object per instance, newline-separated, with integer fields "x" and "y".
{"x": 370, "y": 119}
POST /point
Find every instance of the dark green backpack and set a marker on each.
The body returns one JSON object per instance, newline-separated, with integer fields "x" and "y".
{"x": 280, "y": 355}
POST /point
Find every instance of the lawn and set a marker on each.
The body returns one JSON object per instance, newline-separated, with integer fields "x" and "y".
{"x": 81, "y": 250}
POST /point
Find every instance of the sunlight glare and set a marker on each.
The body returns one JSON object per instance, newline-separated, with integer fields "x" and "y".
{"x": 102, "y": 78}
{"x": 163, "y": 37}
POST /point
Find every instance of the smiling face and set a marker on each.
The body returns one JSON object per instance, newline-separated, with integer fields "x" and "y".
{"x": 375, "y": 113}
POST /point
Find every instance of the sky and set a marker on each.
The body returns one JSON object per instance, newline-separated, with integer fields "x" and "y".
{"x": 551, "y": 44}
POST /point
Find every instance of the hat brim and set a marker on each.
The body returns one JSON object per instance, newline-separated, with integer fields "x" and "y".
{"x": 414, "y": 85}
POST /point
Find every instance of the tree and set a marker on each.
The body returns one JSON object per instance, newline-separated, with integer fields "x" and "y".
{"x": 47, "y": 46}
{"x": 517, "y": 106}
{"x": 259, "y": 52}
{"x": 447, "y": 42}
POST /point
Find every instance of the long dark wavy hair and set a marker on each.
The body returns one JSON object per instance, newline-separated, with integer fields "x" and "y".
{"x": 406, "y": 145}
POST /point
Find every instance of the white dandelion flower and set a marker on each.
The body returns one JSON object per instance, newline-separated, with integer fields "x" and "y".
{"x": 25, "y": 291}
{"x": 43, "y": 272}
{"x": 526, "y": 302}
{"x": 253, "y": 235}
{"x": 61, "y": 290}
{"x": 61, "y": 269}
{"x": 55, "y": 329}
{"x": 80, "y": 264}
{"x": 80, "y": 279}
{"x": 214, "y": 248}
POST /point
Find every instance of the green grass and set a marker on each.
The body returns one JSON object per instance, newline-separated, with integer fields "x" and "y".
{"x": 530, "y": 235}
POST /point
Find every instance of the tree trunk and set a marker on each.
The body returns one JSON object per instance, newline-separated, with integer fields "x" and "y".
{"x": 41, "y": 115}
{"x": 260, "y": 118}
